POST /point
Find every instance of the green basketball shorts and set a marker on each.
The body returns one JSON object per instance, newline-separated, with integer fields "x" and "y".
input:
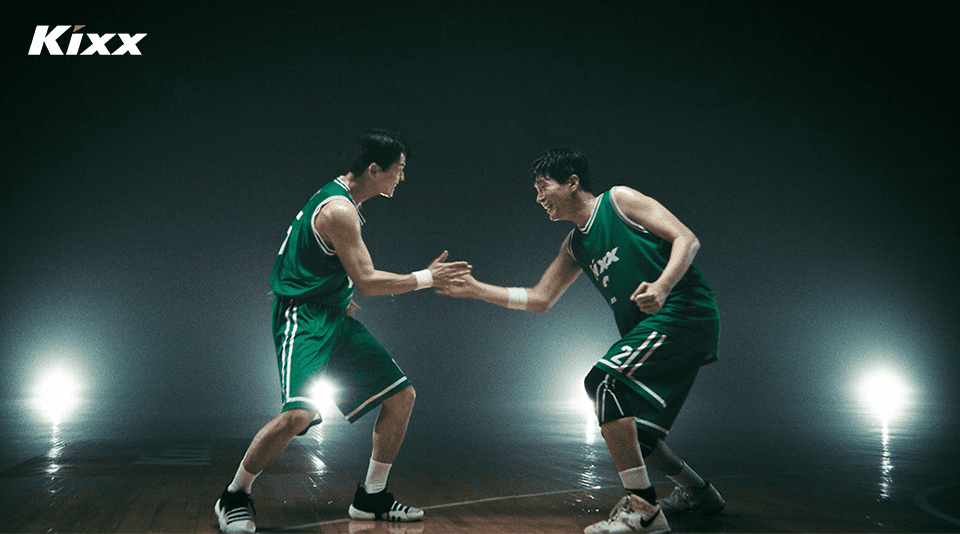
{"x": 646, "y": 375}
{"x": 313, "y": 341}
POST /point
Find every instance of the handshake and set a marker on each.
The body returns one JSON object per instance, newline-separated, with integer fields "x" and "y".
{"x": 447, "y": 278}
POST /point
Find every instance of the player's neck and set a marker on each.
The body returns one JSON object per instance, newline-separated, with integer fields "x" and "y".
{"x": 359, "y": 191}
{"x": 585, "y": 204}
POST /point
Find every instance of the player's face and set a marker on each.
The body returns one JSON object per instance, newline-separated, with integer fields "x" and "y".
{"x": 391, "y": 177}
{"x": 554, "y": 197}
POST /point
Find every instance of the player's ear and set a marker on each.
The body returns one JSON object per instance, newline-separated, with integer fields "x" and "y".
{"x": 573, "y": 182}
{"x": 373, "y": 168}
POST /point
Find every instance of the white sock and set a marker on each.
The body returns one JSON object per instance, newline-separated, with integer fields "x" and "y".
{"x": 688, "y": 477}
{"x": 635, "y": 478}
{"x": 377, "y": 475}
{"x": 242, "y": 481}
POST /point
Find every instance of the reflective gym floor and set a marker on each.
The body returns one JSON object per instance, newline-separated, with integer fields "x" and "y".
{"x": 532, "y": 470}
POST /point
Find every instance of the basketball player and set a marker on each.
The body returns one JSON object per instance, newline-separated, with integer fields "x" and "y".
{"x": 320, "y": 263}
{"x": 639, "y": 256}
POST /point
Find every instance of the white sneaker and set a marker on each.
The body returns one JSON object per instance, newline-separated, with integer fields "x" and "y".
{"x": 632, "y": 514}
{"x": 369, "y": 507}
{"x": 235, "y": 513}
{"x": 706, "y": 501}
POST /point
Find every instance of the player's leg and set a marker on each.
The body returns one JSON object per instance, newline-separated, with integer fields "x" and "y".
{"x": 302, "y": 335}
{"x": 234, "y": 509}
{"x": 660, "y": 458}
{"x": 274, "y": 437}
{"x": 391, "y": 426}
{"x": 368, "y": 378}
{"x": 691, "y": 493}
{"x": 638, "y": 511}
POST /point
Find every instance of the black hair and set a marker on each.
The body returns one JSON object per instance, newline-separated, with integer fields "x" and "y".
{"x": 377, "y": 146}
{"x": 561, "y": 163}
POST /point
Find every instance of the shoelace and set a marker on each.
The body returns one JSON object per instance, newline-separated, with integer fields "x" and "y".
{"x": 621, "y": 506}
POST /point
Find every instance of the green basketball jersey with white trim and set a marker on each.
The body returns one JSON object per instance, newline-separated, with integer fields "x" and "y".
{"x": 307, "y": 267}
{"x": 618, "y": 254}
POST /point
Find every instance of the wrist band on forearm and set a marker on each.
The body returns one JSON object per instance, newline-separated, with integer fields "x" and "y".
{"x": 424, "y": 279}
{"x": 517, "y": 298}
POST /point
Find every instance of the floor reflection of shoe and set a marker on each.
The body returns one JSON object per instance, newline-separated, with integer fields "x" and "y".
{"x": 632, "y": 514}
{"x": 369, "y": 507}
{"x": 705, "y": 500}
{"x": 235, "y": 513}
{"x": 359, "y": 527}
{"x": 371, "y": 527}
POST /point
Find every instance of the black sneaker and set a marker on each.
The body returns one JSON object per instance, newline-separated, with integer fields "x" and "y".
{"x": 235, "y": 513}
{"x": 705, "y": 500}
{"x": 367, "y": 507}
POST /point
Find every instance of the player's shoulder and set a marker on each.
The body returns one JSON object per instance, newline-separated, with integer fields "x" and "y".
{"x": 624, "y": 193}
{"x": 341, "y": 203}
{"x": 336, "y": 210}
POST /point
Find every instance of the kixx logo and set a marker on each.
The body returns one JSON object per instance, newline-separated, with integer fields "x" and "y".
{"x": 44, "y": 37}
{"x": 598, "y": 267}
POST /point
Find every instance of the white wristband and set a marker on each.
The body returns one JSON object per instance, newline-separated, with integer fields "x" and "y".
{"x": 424, "y": 279}
{"x": 517, "y": 298}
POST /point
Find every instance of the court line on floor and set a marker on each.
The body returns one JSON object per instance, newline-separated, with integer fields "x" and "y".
{"x": 545, "y": 494}
{"x": 921, "y": 500}
{"x": 467, "y": 503}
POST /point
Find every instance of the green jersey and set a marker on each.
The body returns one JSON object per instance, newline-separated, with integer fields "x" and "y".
{"x": 618, "y": 254}
{"x": 307, "y": 267}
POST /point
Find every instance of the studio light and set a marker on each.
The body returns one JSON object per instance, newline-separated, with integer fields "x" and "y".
{"x": 57, "y": 394}
{"x": 322, "y": 392}
{"x": 884, "y": 393}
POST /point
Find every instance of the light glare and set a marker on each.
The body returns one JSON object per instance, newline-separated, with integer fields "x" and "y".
{"x": 322, "y": 393}
{"x": 57, "y": 394}
{"x": 884, "y": 393}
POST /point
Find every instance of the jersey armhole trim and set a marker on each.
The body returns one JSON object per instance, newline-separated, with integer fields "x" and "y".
{"x": 623, "y": 216}
{"x": 325, "y": 247}
{"x": 570, "y": 244}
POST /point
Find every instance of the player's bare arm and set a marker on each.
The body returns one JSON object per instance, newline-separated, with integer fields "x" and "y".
{"x": 540, "y": 298}
{"x": 650, "y": 296}
{"x": 338, "y": 224}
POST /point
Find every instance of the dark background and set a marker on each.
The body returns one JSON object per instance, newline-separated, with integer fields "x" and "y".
{"x": 813, "y": 150}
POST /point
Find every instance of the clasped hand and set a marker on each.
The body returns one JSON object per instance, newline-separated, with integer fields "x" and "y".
{"x": 447, "y": 274}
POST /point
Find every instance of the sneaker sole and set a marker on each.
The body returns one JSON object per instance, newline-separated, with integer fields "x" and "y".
{"x": 360, "y": 515}
{"x": 222, "y": 520}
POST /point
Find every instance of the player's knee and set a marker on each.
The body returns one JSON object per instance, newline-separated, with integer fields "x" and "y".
{"x": 403, "y": 399}
{"x": 294, "y": 421}
{"x": 618, "y": 429}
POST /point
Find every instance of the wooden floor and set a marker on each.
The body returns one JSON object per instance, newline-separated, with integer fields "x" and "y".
{"x": 552, "y": 479}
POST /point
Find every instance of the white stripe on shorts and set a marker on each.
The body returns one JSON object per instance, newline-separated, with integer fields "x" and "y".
{"x": 652, "y": 425}
{"x": 306, "y": 400}
{"x": 375, "y": 397}
{"x": 287, "y": 352}
{"x": 605, "y": 391}
{"x": 646, "y": 355}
